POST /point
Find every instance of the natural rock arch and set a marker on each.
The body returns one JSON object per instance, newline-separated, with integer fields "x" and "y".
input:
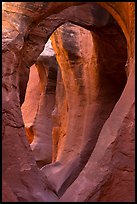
{"x": 12, "y": 50}
{"x": 93, "y": 81}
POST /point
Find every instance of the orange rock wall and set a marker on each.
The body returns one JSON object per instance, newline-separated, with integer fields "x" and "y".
{"x": 109, "y": 173}
{"x": 90, "y": 94}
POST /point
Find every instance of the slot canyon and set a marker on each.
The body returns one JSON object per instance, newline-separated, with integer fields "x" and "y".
{"x": 68, "y": 102}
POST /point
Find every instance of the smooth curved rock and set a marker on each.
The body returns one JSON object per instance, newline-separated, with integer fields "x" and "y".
{"x": 42, "y": 142}
{"x": 30, "y": 105}
{"x": 90, "y": 94}
{"x": 26, "y": 29}
{"x": 37, "y": 114}
{"x": 109, "y": 174}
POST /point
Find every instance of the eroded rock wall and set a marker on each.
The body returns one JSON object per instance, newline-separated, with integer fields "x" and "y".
{"x": 39, "y": 104}
{"x": 93, "y": 80}
{"x": 111, "y": 164}
{"x": 30, "y": 105}
{"x": 42, "y": 143}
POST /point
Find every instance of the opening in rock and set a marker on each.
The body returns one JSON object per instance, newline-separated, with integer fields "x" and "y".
{"x": 90, "y": 81}
{"x": 93, "y": 124}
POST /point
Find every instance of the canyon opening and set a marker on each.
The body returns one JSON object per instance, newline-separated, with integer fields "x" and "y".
{"x": 68, "y": 102}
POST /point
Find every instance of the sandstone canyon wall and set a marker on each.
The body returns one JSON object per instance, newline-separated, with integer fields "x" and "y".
{"x": 91, "y": 105}
{"x": 39, "y": 104}
{"x": 93, "y": 81}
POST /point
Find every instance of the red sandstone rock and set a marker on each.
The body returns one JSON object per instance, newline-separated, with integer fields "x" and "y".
{"x": 90, "y": 95}
{"x": 7, "y": 194}
{"x": 42, "y": 143}
{"x": 30, "y": 105}
{"x": 109, "y": 173}
{"x": 37, "y": 114}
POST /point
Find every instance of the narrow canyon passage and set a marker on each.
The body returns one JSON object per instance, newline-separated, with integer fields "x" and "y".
{"x": 93, "y": 80}
{"x": 90, "y": 82}
{"x": 68, "y": 102}
{"x": 39, "y": 104}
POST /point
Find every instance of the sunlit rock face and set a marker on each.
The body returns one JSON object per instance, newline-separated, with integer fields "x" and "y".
{"x": 90, "y": 96}
{"x": 42, "y": 143}
{"x": 84, "y": 123}
{"x": 30, "y": 105}
{"x": 39, "y": 104}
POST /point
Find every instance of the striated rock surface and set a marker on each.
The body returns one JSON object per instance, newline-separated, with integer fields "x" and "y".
{"x": 109, "y": 174}
{"x": 93, "y": 139}
{"x": 42, "y": 143}
{"x": 39, "y": 104}
{"x": 90, "y": 95}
